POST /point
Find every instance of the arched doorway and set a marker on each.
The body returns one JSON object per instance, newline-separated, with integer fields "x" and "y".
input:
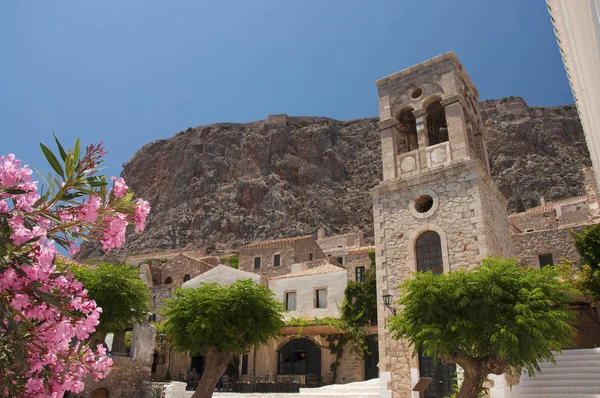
{"x": 429, "y": 253}
{"x": 299, "y": 357}
{"x": 443, "y": 377}
{"x": 100, "y": 393}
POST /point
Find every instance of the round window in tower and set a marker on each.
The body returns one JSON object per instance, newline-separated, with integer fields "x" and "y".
{"x": 417, "y": 93}
{"x": 424, "y": 204}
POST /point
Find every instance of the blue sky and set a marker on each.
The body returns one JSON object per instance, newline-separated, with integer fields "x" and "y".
{"x": 130, "y": 72}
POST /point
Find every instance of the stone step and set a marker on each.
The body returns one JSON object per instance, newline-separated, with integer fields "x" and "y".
{"x": 565, "y": 391}
{"x": 559, "y": 383}
{"x": 572, "y": 362}
{"x": 559, "y": 395}
{"x": 559, "y": 374}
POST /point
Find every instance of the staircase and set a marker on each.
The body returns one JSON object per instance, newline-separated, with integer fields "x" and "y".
{"x": 361, "y": 389}
{"x": 576, "y": 374}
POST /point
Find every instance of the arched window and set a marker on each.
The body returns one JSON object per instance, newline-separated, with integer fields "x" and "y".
{"x": 429, "y": 253}
{"x": 408, "y": 131}
{"x": 168, "y": 281}
{"x": 437, "y": 128}
{"x": 186, "y": 277}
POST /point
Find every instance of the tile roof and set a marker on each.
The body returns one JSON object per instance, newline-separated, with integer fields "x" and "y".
{"x": 361, "y": 250}
{"x": 321, "y": 269}
{"x": 267, "y": 244}
{"x": 328, "y": 238}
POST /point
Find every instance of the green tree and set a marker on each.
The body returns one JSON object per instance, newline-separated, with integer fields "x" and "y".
{"x": 487, "y": 320}
{"x": 360, "y": 299}
{"x": 122, "y": 295}
{"x": 588, "y": 245}
{"x": 221, "y": 322}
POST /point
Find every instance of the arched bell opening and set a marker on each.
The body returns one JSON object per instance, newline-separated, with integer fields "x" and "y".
{"x": 437, "y": 127}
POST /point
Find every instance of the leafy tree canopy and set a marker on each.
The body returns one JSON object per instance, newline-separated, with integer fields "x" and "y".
{"x": 588, "y": 245}
{"x": 220, "y": 322}
{"x": 496, "y": 316}
{"x": 229, "y": 318}
{"x": 360, "y": 299}
{"x": 122, "y": 295}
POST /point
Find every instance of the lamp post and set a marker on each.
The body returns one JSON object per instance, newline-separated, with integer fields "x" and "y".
{"x": 387, "y": 300}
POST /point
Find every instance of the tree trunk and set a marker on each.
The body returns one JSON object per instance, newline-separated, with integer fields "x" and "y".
{"x": 216, "y": 364}
{"x": 475, "y": 374}
{"x": 118, "y": 344}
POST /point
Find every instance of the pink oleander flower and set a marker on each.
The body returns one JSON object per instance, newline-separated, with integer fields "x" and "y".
{"x": 142, "y": 209}
{"x": 55, "y": 355}
{"x": 119, "y": 187}
{"x": 89, "y": 211}
{"x": 114, "y": 234}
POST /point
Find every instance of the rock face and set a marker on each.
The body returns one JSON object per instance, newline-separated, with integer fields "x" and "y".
{"x": 224, "y": 185}
{"x": 534, "y": 151}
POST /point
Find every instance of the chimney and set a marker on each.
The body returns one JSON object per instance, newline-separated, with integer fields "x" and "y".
{"x": 320, "y": 233}
{"x": 542, "y": 200}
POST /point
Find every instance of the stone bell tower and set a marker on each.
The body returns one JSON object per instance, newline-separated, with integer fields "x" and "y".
{"x": 437, "y": 207}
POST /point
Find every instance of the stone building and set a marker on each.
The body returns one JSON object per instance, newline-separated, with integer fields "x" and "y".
{"x": 275, "y": 257}
{"x": 311, "y": 290}
{"x": 542, "y": 235}
{"x": 437, "y": 207}
{"x": 349, "y": 250}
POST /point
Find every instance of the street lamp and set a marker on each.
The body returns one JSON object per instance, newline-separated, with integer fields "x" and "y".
{"x": 387, "y": 300}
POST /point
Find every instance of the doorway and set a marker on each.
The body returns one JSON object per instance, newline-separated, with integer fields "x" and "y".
{"x": 372, "y": 357}
{"x": 443, "y": 376}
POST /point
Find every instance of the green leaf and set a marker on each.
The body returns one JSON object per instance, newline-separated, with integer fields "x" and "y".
{"x": 52, "y": 160}
{"x": 61, "y": 150}
{"x": 76, "y": 151}
{"x": 13, "y": 191}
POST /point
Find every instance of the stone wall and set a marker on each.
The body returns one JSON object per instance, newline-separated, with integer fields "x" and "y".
{"x": 333, "y": 243}
{"x": 574, "y": 213}
{"x": 558, "y": 242}
{"x": 158, "y": 294}
{"x": 495, "y": 239}
{"x": 181, "y": 266}
{"x": 291, "y": 251}
{"x": 351, "y": 367}
{"x": 357, "y": 258}
{"x": 123, "y": 381}
{"x": 304, "y": 249}
{"x": 287, "y": 258}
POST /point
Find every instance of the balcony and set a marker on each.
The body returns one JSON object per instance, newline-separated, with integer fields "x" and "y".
{"x": 434, "y": 156}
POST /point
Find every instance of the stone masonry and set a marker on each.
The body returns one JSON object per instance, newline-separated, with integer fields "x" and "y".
{"x": 452, "y": 175}
{"x": 290, "y": 250}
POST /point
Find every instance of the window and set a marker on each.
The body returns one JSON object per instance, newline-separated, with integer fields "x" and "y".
{"x": 277, "y": 260}
{"x": 310, "y": 256}
{"x": 321, "y": 298}
{"x": 360, "y": 274}
{"x": 256, "y": 262}
{"x": 168, "y": 281}
{"x": 429, "y": 253}
{"x": 545, "y": 260}
{"x": 340, "y": 260}
{"x": 186, "y": 278}
{"x": 290, "y": 301}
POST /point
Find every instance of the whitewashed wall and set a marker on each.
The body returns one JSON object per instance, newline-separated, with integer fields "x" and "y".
{"x": 305, "y": 287}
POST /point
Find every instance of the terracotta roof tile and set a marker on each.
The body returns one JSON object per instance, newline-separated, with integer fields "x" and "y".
{"x": 321, "y": 269}
{"x": 267, "y": 244}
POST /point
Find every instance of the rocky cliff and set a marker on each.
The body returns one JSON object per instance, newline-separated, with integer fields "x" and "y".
{"x": 224, "y": 185}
